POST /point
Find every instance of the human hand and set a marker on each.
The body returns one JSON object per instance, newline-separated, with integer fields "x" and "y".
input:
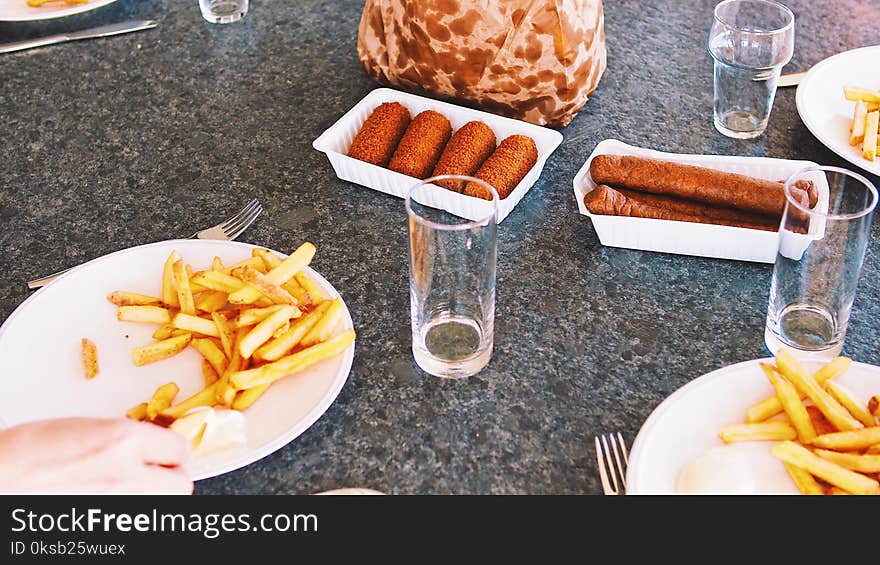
{"x": 91, "y": 455}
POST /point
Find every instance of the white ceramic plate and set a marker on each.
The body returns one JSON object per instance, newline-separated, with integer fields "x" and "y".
{"x": 824, "y": 110}
{"x": 687, "y": 423}
{"x": 19, "y": 11}
{"x": 42, "y": 377}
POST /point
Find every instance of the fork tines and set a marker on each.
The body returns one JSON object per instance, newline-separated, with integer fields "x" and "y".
{"x": 612, "y": 466}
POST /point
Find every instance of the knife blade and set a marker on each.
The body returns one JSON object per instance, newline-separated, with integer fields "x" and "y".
{"x": 100, "y": 31}
{"x": 792, "y": 79}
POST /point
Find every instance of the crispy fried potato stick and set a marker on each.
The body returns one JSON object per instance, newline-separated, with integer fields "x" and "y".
{"x": 122, "y": 298}
{"x": 773, "y": 430}
{"x": 804, "y": 481}
{"x": 294, "y": 263}
{"x": 770, "y": 407}
{"x": 280, "y": 346}
{"x": 836, "y": 414}
{"x": 162, "y": 399}
{"x": 145, "y": 314}
{"x": 89, "y": 354}
{"x": 159, "y": 350}
{"x": 852, "y": 439}
{"x": 792, "y": 404}
{"x": 799, "y": 456}
{"x": 852, "y": 461}
{"x": 845, "y": 397}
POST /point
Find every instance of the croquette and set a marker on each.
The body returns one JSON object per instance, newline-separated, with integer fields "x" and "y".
{"x": 380, "y": 134}
{"x": 505, "y": 167}
{"x": 421, "y": 145}
{"x": 468, "y": 148}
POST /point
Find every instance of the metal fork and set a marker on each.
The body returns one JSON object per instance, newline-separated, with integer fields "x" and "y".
{"x": 227, "y": 230}
{"x": 607, "y": 464}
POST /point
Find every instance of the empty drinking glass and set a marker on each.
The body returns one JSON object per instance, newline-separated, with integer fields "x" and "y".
{"x": 451, "y": 282}
{"x": 820, "y": 256}
{"x": 750, "y": 40}
{"x": 223, "y": 11}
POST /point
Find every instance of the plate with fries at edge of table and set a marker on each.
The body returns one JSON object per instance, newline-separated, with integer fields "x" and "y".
{"x": 27, "y": 11}
{"x": 125, "y": 321}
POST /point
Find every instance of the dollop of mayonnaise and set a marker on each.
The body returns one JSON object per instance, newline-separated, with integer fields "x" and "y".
{"x": 210, "y": 430}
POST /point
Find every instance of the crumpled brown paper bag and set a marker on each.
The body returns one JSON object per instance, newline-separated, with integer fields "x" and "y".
{"x": 536, "y": 60}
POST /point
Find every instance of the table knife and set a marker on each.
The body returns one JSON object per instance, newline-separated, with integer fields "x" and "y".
{"x": 792, "y": 79}
{"x": 101, "y": 31}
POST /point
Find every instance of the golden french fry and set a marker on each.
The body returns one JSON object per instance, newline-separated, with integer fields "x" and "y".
{"x": 253, "y": 261}
{"x": 123, "y": 298}
{"x": 836, "y": 414}
{"x": 253, "y": 316}
{"x": 792, "y": 405}
{"x": 147, "y": 314}
{"x": 195, "y": 324}
{"x": 89, "y": 354}
{"x": 218, "y": 280}
{"x": 226, "y": 330}
{"x": 270, "y": 260}
{"x": 169, "y": 293}
{"x": 315, "y": 294}
{"x": 846, "y": 399}
{"x": 852, "y": 439}
{"x": 804, "y": 481}
{"x": 325, "y": 326}
{"x": 263, "y": 331}
{"x": 799, "y": 456}
{"x": 264, "y": 284}
{"x": 852, "y": 461}
{"x": 280, "y": 346}
{"x": 216, "y": 264}
{"x": 159, "y": 350}
{"x": 210, "y": 351}
{"x": 869, "y": 144}
{"x": 164, "y": 331}
{"x": 204, "y": 397}
{"x": 281, "y": 330}
{"x": 856, "y": 93}
{"x": 211, "y": 300}
{"x": 269, "y": 373}
{"x": 181, "y": 283}
{"x": 773, "y": 430}
{"x": 208, "y": 373}
{"x": 820, "y": 422}
{"x": 162, "y": 399}
{"x": 874, "y": 405}
{"x": 138, "y": 412}
{"x": 294, "y": 263}
{"x": 770, "y": 406}
{"x": 857, "y": 130}
{"x": 193, "y": 287}
{"x": 225, "y": 394}
{"x": 244, "y": 398}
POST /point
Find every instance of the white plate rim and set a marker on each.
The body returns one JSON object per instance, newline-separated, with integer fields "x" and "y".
{"x": 304, "y": 424}
{"x": 824, "y": 138}
{"x": 58, "y": 13}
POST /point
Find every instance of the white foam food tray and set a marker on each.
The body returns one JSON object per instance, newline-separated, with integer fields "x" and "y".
{"x": 337, "y": 139}
{"x": 688, "y": 238}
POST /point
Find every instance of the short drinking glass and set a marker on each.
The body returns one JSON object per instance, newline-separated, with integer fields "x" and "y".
{"x": 451, "y": 282}
{"x": 223, "y": 11}
{"x": 820, "y": 256}
{"x": 750, "y": 40}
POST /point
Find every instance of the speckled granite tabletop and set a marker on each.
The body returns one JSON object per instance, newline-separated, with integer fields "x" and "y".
{"x": 111, "y": 143}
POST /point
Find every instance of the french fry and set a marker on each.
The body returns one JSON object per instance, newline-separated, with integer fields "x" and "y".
{"x": 834, "y": 491}
{"x": 325, "y": 326}
{"x": 193, "y": 287}
{"x": 836, "y": 414}
{"x": 269, "y": 373}
{"x": 314, "y": 291}
{"x": 804, "y": 481}
{"x": 281, "y": 330}
{"x": 770, "y": 406}
{"x": 216, "y": 264}
{"x": 852, "y": 439}
{"x": 774, "y": 430}
{"x": 792, "y": 405}
{"x": 218, "y": 280}
{"x": 852, "y": 461}
{"x": 181, "y": 283}
{"x": 208, "y": 373}
{"x": 856, "y": 93}
{"x": 164, "y": 331}
{"x": 159, "y": 350}
{"x": 857, "y": 131}
{"x": 122, "y": 298}
{"x": 264, "y": 284}
{"x": 820, "y": 422}
{"x": 253, "y": 261}
{"x": 294, "y": 263}
{"x": 195, "y": 324}
{"x": 226, "y": 331}
{"x": 162, "y": 399}
{"x": 225, "y": 391}
{"x": 211, "y": 301}
{"x": 138, "y": 412}
{"x": 244, "y": 398}
{"x": 874, "y": 405}
{"x": 169, "y": 293}
{"x": 209, "y": 350}
{"x": 869, "y": 144}
{"x": 146, "y": 314}
{"x": 280, "y": 346}
{"x": 299, "y": 293}
{"x": 799, "y": 456}
{"x": 253, "y": 316}
{"x": 270, "y": 260}
{"x": 873, "y": 450}
{"x": 263, "y": 331}
{"x": 204, "y": 397}
{"x": 89, "y": 355}
{"x": 846, "y": 399}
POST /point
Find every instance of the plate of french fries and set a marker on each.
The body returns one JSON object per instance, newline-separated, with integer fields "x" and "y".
{"x": 30, "y": 10}
{"x": 184, "y": 334}
{"x": 839, "y": 102}
{"x": 767, "y": 426}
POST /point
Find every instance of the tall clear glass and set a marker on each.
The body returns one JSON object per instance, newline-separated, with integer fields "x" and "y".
{"x": 820, "y": 256}
{"x": 750, "y": 40}
{"x": 451, "y": 282}
{"x": 223, "y": 11}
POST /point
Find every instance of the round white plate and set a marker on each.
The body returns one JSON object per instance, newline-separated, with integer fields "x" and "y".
{"x": 824, "y": 110}
{"x": 687, "y": 423}
{"x": 19, "y": 11}
{"x": 41, "y": 373}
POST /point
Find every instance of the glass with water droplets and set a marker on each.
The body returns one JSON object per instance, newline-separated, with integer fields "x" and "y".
{"x": 451, "y": 281}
